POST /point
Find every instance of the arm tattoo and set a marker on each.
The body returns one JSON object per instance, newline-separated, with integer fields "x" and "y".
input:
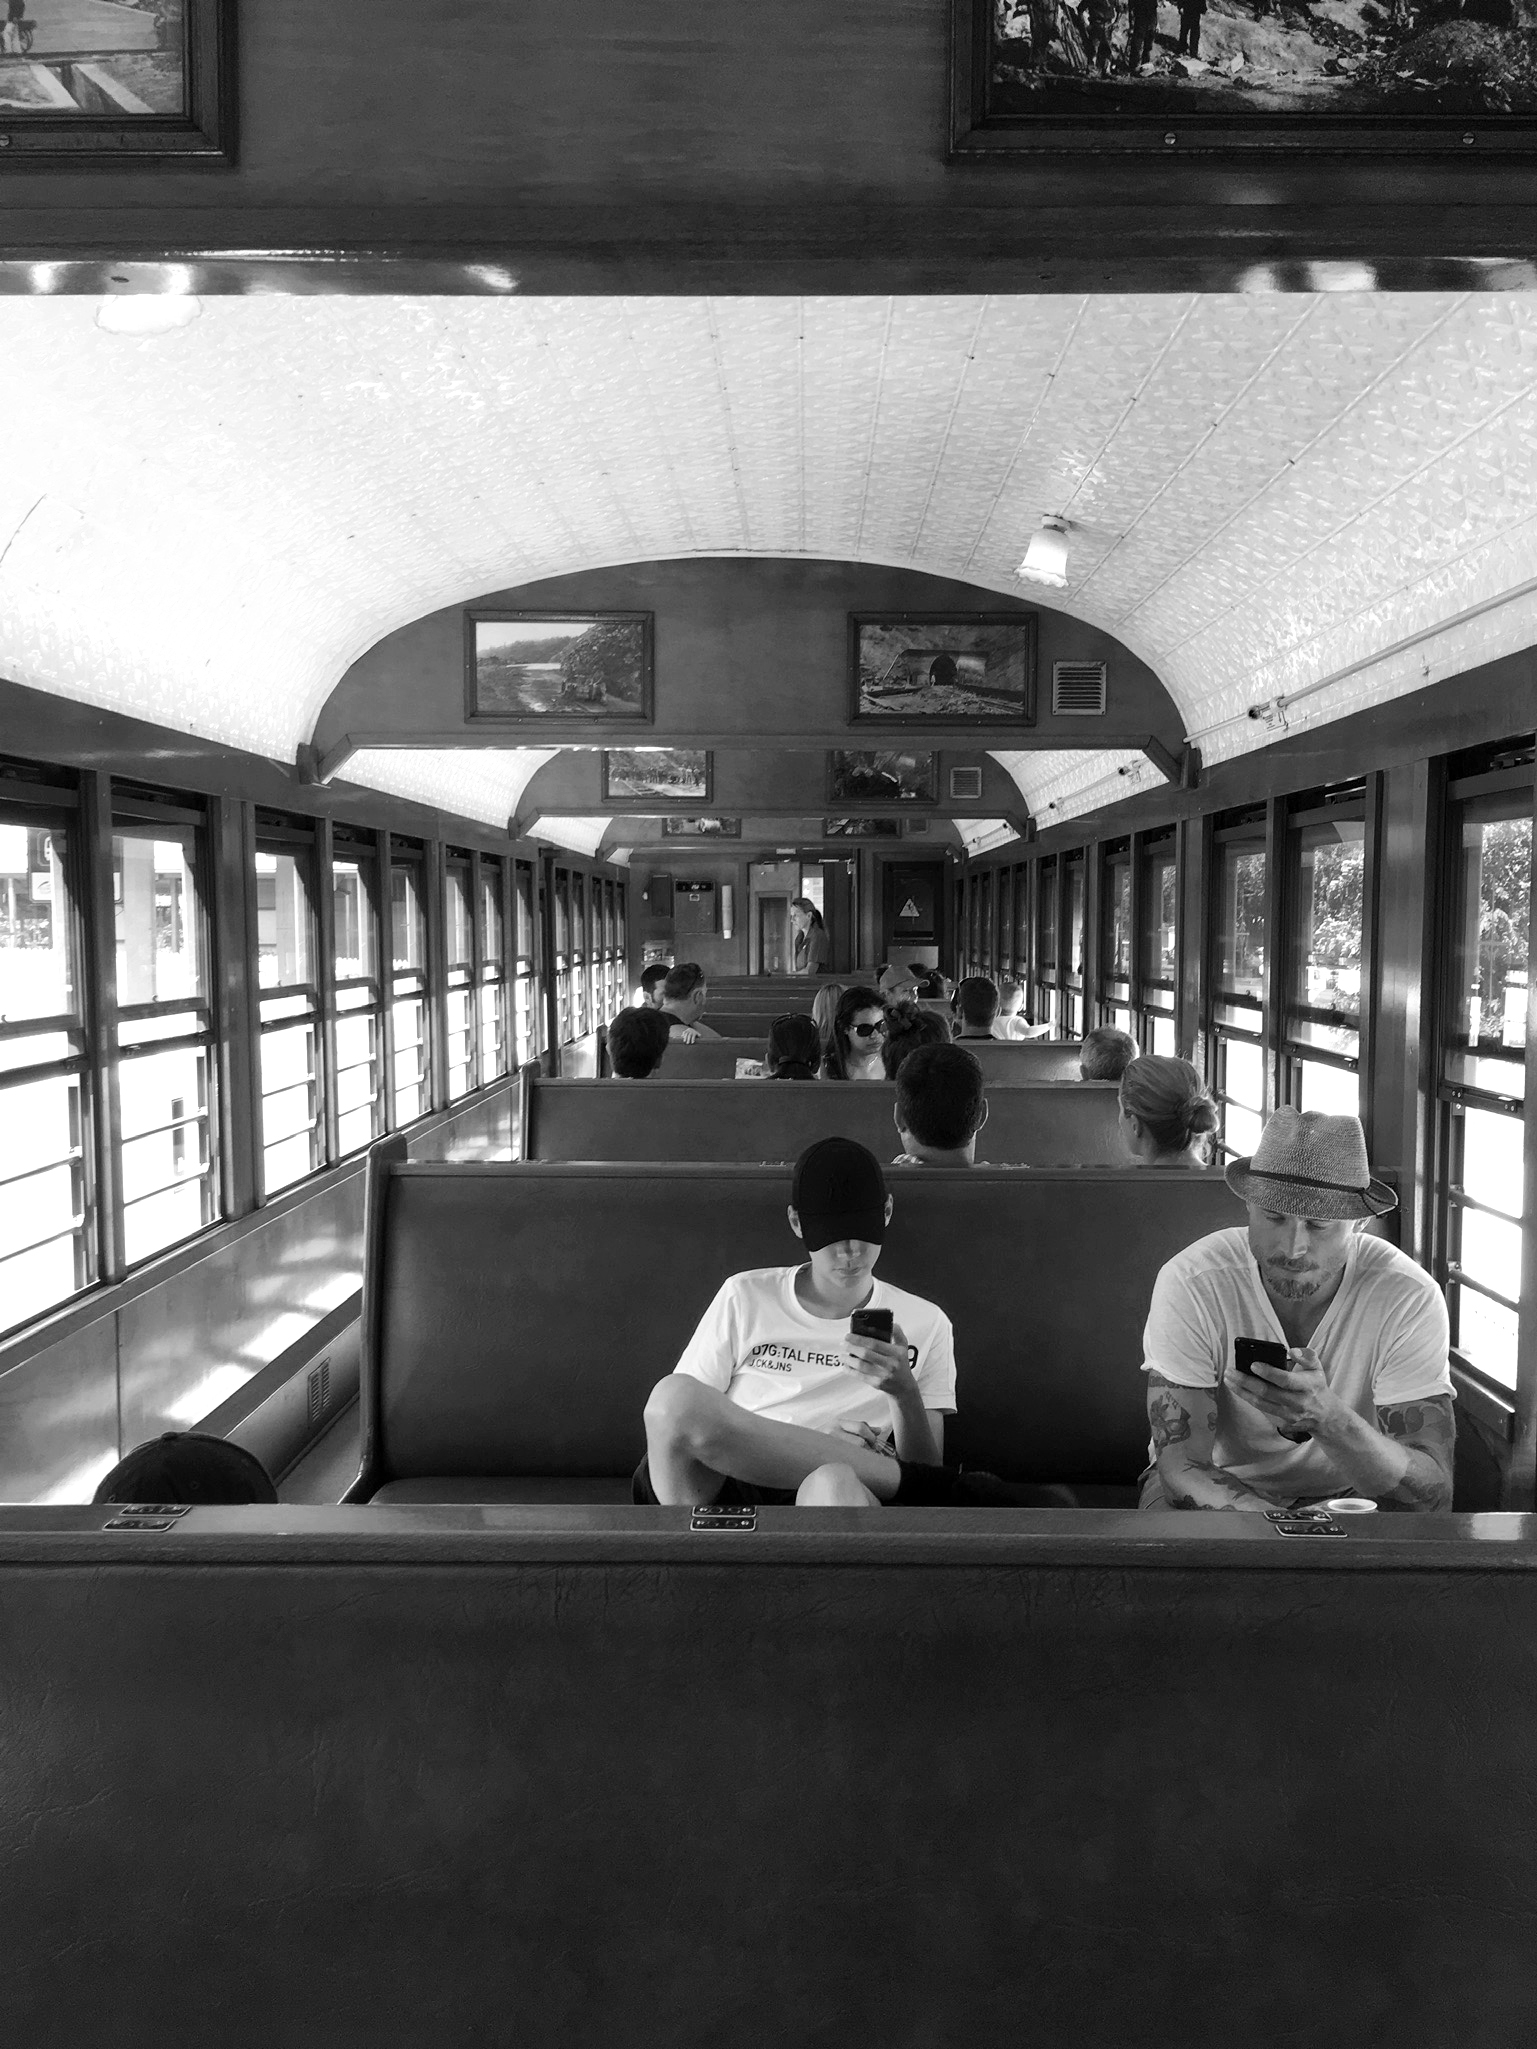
{"x": 1428, "y": 1433}
{"x": 1169, "y": 1417}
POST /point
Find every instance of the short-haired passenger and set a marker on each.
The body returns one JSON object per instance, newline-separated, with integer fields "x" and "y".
{"x": 191, "y": 1468}
{"x": 1107, "y": 1053}
{"x": 1168, "y": 1116}
{"x": 637, "y": 1039}
{"x": 775, "y": 1401}
{"x": 1363, "y": 1405}
{"x": 794, "y": 1047}
{"x": 859, "y": 1027}
{"x": 976, "y": 1005}
{"x": 651, "y": 980}
{"x": 684, "y": 996}
{"x": 908, "y": 1029}
{"x": 940, "y": 1107}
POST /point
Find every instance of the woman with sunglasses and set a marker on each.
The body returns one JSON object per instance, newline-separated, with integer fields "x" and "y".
{"x": 858, "y": 1034}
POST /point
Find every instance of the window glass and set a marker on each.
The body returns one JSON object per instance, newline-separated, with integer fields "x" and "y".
{"x": 1334, "y": 1090}
{"x": 357, "y": 1081}
{"x": 285, "y": 944}
{"x": 37, "y": 968}
{"x": 1117, "y": 919}
{"x": 1073, "y": 965}
{"x": 353, "y": 920}
{"x": 1159, "y": 908}
{"x": 408, "y": 1025}
{"x": 1021, "y": 919}
{"x": 492, "y": 934}
{"x": 1240, "y": 956}
{"x": 158, "y": 917}
{"x": 460, "y": 935}
{"x": 1492, "y": 952}
{"x": 408, "y": 920}
{"x": 167, "y": 1188}
{"x": 1243, "y": 1090}
{"x": 1046, "y": 922}
{"x": 290, "y": 1085}
{"x": 44, "y": 1248}
{"x": 1164, "y": 1038}
{"x": 1326, "y": 968}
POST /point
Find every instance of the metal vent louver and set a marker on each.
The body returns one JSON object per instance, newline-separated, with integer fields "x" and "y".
{"x": 965, "y": 784}
{"x": 319, "y": 1390}
{"x": 1078, "y": 690}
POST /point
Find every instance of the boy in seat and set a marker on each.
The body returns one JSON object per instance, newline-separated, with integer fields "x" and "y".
{"x": 775, "y": 1401}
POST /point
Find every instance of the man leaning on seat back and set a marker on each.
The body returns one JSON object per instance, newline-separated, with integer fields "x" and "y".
{"x": 684, "y": 996}
{"x": 940, "y": 1107}
{"x": 775, "y": 1401}
{"x": 1364, "y": 1403}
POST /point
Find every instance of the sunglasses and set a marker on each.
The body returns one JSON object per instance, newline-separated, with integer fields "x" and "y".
{"x": 869, "y": 1031}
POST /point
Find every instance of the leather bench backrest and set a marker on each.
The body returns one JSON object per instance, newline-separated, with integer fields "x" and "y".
{"x": 1034, "y": 1124}
{"x": 516, "y": 1317}
{"x": 709, "y": 1059}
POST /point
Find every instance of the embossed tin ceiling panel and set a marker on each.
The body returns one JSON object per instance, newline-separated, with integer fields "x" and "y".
{"x": 1320, "y": 500}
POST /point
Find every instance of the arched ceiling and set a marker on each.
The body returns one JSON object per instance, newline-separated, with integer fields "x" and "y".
{"x": 1305, "y": 503}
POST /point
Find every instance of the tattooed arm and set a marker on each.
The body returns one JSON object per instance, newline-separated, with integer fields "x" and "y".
{"x": 1406, "y": 1461}
{"x": 1184, "y": 1424}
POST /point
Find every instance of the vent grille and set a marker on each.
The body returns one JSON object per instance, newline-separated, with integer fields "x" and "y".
{"x": 320, "y": 1390}
{"x": 916, "y": 825}
{"x": 965, "y": 783}
{"x": 1078, "y": 690}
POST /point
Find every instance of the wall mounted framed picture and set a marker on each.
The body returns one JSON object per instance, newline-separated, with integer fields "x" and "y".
{"x": 861, "y": 828}
{"x": 668, "y": 775}
{"x": 701, "y": 828}
{"x": 974, "y": 669}
{"x": 1242, "y": 77}
{"x": 882, "y": 776}
{"x": 87, "y": 82}
{"x": 549, "y": 669}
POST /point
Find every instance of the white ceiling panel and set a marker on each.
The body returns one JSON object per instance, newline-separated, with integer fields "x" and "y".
{"x": 1318, "y": 500}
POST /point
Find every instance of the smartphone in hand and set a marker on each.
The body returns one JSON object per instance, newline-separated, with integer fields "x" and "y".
{"x": 871, "y": 1323}
{"x": 1249, "y": 1352}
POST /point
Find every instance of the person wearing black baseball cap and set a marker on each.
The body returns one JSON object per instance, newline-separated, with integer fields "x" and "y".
{"x": 188, "y": 1466}
{"x": 775, "y": 1399}
{"x": 1362, "y": 1405}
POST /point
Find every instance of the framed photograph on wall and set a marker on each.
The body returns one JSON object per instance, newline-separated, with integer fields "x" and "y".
{"x": 861, "y": 828}
{"x": 85, "y": 82}
{"x": 960, "y": 670}
{"x": 550, "y": 669}
{"x": 882, "y": 776}
{"x": 670, "y": 775}
{"x": 1169, "y": 78}
{"x": 701, "y": 828}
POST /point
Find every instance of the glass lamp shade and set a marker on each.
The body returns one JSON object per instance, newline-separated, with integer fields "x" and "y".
{"x": 1046, "y": 558}
{"x": 147, "y": 312}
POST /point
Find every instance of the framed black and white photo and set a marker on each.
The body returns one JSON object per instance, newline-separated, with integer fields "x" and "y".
{"x": 84, "y": 82}
{"x": 861, "y": 828}
{"x": 1364, "y": 78}
{"x": 669, "y": 775}
{"x": 702, "y": 828}
{"x": 965, "y": 670}
{"x": 882, "y": 776}
{"x": 550, "y": 669}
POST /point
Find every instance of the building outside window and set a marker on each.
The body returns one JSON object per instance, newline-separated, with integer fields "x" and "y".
{"x": 1158, "y": 941}
{"x": 1238, "y": 981}
{"x": 1326, "y": 855}
{"x": 359, "y": 995}
{"x": 1116, "y": 938}
{"x": 408, "y": 984}
{"x": 1072, "y": 961}
{"x": 166, "y": 1151}
{"x": 291, "y": 1068}
{"x": 1482, "y": 1092}
{"x": 459, "y": 943}
{"x": 47, "y": 1221}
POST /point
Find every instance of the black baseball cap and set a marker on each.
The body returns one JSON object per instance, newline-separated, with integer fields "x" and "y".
{"x": 188, "y": 1467}
{"x": 838, "y": 1192}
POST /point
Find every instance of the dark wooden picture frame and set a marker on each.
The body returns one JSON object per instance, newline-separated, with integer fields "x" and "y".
{"x": 88, "y": 113}
{"x": 696, "y": 828}
{"x": 857, "y": 777}
{"x": 616, "y": 650}
{"x": 940, "y": 669}
{"x": 857, "y": 828}
{"x": 644, "y": 800}
{"x": 1373, "y": 103}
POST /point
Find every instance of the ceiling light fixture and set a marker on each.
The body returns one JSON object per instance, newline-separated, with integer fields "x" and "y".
{"x": 1046, "y": 557}
{"x": 145, "y": 313}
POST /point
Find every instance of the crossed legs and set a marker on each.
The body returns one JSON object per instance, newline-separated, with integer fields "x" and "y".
{"x": 695, "y": 1437}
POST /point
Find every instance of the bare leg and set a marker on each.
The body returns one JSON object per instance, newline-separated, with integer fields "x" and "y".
{"x": 695, "y": 1437}
{"x": 834, "y": 1487}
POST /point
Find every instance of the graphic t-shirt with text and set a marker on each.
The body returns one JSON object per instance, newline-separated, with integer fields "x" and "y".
{"x": 767, "y": 1353}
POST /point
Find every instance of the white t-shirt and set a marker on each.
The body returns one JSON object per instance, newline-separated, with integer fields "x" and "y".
{"x": 1383, "y": 1340}
{"x": 763, "y": 1350}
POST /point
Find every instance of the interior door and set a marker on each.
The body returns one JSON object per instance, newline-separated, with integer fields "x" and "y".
{"x": 775, "y": 952}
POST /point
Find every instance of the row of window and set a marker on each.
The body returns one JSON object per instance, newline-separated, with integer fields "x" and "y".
{"x": 117, "y": 1139}
{"x": 1097, "y": 936}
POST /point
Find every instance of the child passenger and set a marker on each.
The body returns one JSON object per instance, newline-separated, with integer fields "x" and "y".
{"x": 775, "y": 1400}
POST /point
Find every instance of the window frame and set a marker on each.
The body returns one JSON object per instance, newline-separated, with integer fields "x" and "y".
{"x": 1253, "y": 828}
{"x": 1356, "y": 802}
{"x": 408, "y": 984}
{"x": 274, "y": 832}
{"x": 363, "y": 849}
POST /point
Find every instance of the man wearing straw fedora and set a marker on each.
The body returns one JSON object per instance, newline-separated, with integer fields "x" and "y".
{"x": 1363, "y": 1405}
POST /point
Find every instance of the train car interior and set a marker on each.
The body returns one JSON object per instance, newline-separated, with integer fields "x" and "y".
{"x": 557, "y": 573}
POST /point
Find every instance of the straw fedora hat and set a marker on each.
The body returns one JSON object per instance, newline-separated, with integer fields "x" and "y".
{"x": 1309, "y": 1165}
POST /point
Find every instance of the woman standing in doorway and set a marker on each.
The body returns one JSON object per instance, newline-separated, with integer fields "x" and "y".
{"x": 810, "y": 937}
